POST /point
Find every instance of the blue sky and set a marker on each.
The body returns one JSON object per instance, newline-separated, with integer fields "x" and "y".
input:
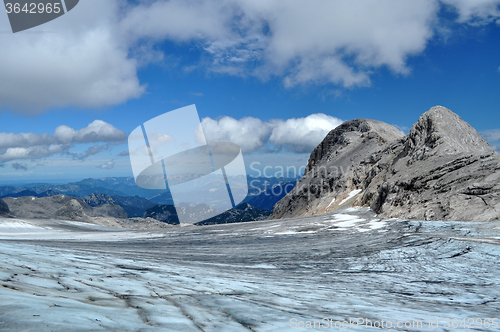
{"x": 271, "y": 76}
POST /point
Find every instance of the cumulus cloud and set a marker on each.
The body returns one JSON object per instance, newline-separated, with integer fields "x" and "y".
{"x": 78, "y": 62}
{"x": 18, "y": 166}
{"x": 34, "y": 152}
{"x": 97, "y": 131}
{"x": 35, "y": 146}
{"x": 302, "y": 134}
{"x": 249, "y": 133}
{"x": 475, "y": 12}
{"x": 90, "y": 58}
{"x": 108, "y": 165}
{"x": 24, "y": 139}
{"x": 252, "y": 134}
{"x": 330, "y": 41}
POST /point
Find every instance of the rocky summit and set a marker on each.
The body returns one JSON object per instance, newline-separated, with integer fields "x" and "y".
{"x": 441, "y": 170}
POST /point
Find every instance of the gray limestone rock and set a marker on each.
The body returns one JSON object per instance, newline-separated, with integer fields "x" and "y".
{"x": 441, "y": 170}
{"x": 330, "y": 174}
{"x": 4, "y": 209}
{"x": 99, "y": 199}
{"x": 71, "y": 210}
{"x": 60, "y": 207}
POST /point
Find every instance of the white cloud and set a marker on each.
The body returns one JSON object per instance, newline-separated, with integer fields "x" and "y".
{"x": 35, "y": 146}
{"x": 24, "y": 139}
{"x": 303, "y": 134}
{"x": 34, "y": 152}
{"x": 475, "y": 12}
{"x": 251, "y": 134}
{"x": 177, "y": 20}
{"x": 327, "y": 41}
{"x": 97, "y": 131}
{"x": 90, "y": 58}
{"x": 78, "y": 62}
{"x": 341, "y": 41}
{"x": 158, "y": 139}
{"x": 108, "y": 165}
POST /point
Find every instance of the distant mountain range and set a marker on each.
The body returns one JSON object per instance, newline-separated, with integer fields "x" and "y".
{"x": 121, "y": 198}
{"x": 134, "y": 206}
{"x": 264, "y": 188}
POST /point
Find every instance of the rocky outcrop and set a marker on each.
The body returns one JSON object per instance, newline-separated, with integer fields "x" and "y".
{"x": 4, "y": 209}
{"x": 61, "y": 207}
{"x": 95, "y": 199}
{"x": 351, "y": 136}
{"x": 133, "y": 206}
{"x": 242, "y": 213}
{"x": 330, "y": 173}
{"x": 188, "y": 213}
{"x": 163, "y": 213}
{"x": 71, "y": 210}
{"x": 441, "y": 170}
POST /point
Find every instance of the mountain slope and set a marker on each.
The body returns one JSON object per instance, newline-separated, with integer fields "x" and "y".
{"x": 60, "y": 207}
{"x": 4, "y": 209}
{"x": 330, "y": 171}
{"x": 270, "y": 195}
{"x": 441, "y": 170}
{"x": 133, "y": 206}
{"x": 163, "y": 213}
{"x": 242, "y": 213}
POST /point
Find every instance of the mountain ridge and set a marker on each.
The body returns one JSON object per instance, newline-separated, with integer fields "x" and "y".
{"x": 441, "y": 170}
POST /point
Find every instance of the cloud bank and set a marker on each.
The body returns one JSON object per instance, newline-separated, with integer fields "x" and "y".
{"x": 251, "y": 134}
{"x": 297, "y": 135}
{"x": 36, "y": 146}
{"x": 90, "y": 58}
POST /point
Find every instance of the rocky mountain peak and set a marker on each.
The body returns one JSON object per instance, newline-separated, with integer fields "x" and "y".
{"x": 351, "y": 132}
{"x": 99, "y": 199}
{"x": 441, "y": 170}
{"x": 439, "y": 131}
{"x": 71, "y": 210}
